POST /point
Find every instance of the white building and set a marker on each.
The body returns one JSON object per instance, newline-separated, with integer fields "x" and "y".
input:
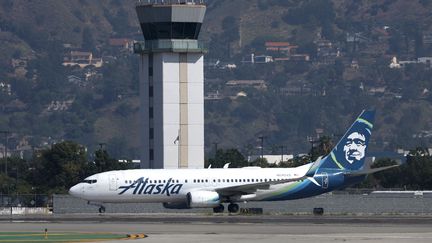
{"x": 272, "y": 159}
{"x": 171, "y": 74}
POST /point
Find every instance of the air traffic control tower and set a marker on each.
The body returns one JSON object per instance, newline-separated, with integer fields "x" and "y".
{"x": 171, "y": 72}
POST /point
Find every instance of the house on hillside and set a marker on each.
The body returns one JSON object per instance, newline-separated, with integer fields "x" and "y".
{"x": 285, "y": 47}
{"x": 82, "y": 59}
{"x": 263, "y": 59}
{"x": 121, "y": 43}
{"x": 6, "y": 88}
{"x": 257, "y": 84}
{"x": 427, "y": 38}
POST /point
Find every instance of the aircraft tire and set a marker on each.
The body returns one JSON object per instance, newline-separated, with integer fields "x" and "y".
{"x": 233, "y": 208}
{"x": 219, "y": 209}
{"x": 102, "y": 209}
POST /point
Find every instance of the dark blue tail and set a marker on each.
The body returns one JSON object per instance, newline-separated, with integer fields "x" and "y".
{"x": 350, "y": 152}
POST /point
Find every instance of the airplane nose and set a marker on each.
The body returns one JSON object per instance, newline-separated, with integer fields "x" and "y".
{"x": 74, "y": 191}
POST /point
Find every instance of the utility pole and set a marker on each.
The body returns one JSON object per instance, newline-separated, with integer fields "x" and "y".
{"x": 6, "y": 134}
{"x": 101, "y": 146}
{"x": 282, "y": 152}
{"x": 216, "y": 147}
{"x": 262, "y": 146}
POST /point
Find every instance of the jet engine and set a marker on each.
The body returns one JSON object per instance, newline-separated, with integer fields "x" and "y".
{"x": 175, "y": 205}
{"x": 203, "y": 199}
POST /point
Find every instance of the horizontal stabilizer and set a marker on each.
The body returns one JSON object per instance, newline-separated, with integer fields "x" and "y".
{"x": 369, "y": 171}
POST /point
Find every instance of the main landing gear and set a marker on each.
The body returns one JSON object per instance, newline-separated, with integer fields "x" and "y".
{"x": 219, "y": 209}
{"x": 233, "y": 208}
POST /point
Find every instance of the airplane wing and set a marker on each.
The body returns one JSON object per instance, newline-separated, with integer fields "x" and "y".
{"x": 253, "y": 187}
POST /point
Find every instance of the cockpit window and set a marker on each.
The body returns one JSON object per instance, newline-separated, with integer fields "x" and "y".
{"x": 90, "y": 181}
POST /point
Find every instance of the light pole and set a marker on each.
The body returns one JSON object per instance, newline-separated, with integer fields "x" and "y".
{"x": 262, "y": 146}
{"x": 216, "y": 147}
{"x": 282, "y": 152}
{"x": 6, "y": 134}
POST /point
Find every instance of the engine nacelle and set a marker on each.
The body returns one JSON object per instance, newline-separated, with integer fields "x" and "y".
{"x": 203, "y": 199}
{"x": 175, "y": 205}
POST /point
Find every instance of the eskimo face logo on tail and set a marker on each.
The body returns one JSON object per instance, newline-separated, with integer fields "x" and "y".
{"x": 355, "y": 147}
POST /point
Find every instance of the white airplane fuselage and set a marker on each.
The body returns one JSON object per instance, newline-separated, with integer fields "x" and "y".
{"x": 172, "y": 185}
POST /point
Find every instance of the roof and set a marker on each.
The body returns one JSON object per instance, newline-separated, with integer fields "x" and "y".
{"x": 246, "y": 82}
{"x": 277, "y": 44}
{"x": 80, "y": 53}
{"x": 119, "y": 41}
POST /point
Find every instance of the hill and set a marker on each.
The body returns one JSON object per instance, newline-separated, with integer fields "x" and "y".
{"x": 335, "y": 64}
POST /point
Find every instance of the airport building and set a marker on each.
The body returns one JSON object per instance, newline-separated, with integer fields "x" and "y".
{"x": 171, "y": 73}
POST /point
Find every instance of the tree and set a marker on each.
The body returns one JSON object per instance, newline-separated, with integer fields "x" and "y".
{"x": 325, "y": 145}
{"x": 60, "y": 167}
{"x": 88, "y": 42}
{"x": 104, "y": 162}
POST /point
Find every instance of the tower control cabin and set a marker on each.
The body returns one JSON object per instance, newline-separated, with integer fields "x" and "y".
{"x": 171, "y": 72}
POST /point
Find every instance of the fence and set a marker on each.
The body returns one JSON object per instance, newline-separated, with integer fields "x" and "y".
{"x": 338, "y": 203}
{"x": 25, "y": 200}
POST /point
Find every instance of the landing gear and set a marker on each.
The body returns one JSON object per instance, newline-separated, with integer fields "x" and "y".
{"x": 102, "y": 209}
{"x": 233, "y": 208}
{"x": 219, "y": 209}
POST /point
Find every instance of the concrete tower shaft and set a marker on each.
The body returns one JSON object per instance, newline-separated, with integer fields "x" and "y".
{"x": 171, "y": 84}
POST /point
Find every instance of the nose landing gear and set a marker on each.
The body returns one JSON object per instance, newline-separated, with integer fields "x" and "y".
{"x": 102, "y": 209}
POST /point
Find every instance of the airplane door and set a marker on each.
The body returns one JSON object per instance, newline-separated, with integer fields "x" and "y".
{"x": 113, "y": 182}
{"x": 325, "y": 180}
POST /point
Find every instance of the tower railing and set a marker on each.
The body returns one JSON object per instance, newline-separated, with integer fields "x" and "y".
{"x": 169, "y": 45}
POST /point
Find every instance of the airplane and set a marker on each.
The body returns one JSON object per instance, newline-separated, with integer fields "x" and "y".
{"x": 211, "y": 188}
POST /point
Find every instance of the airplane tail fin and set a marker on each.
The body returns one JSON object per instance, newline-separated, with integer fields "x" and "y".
{"x": 350, "y": 152}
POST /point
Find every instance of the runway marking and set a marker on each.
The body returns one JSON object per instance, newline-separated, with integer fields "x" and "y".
{"x": 58, "y": 237}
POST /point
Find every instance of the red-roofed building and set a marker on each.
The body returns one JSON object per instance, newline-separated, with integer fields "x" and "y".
{"x": 121, "y": 42}
{"x": 279, "y": 46}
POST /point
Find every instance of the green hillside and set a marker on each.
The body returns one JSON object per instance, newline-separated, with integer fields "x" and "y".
{"x": 47, "y": 102}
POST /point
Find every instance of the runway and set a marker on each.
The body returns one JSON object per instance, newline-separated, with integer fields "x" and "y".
{"x": 205, "y": 228}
